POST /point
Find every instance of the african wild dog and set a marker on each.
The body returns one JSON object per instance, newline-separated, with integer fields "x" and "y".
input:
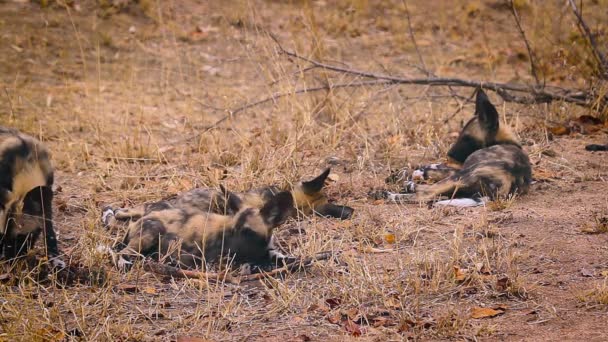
{"x": 308, "y": 198}
{"x": 491, "y": 163}
{"x": 26, "y": 195}
{"x": 189, "y": 238}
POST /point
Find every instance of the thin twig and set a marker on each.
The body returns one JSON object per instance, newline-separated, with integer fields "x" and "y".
{"x": 276, "y": 96}
{"x": 531, "y": 55}
{"x": 542, "y": 95}
{"x": 582, "y": 25}
{"x": 460, "y": 107}
{"x": 10, "y": 104}
{"x": 413, "y": 38}
{"x": 296, "y": 265}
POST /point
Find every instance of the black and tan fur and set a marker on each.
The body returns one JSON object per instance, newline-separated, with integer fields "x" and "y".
{"x": 308, "y": 199}
{"x": 190, "y": 238}
{"x": 26, "y": 180}
{"x": 489, "y": 161}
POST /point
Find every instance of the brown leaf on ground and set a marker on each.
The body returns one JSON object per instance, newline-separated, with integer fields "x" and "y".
{"x": 334, "y": 317}
{"x": 502, "y": 283}
{"x": 389, "y": 238}
{"x": 478, "y": 312}
{"x": 543, "y": 175}
{"x": 128, "y": 288}
{"x": 459, "y": 274}
{"x": 352, "y": 327}
{"x": 351, "y": 313}
{"x": 392, "y": 303}
{"x": 192, "y": 339}
{"x": 333, "y": 302}
{"x": 559, "y": 130}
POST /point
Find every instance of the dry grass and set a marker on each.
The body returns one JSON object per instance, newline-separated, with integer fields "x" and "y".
{"x": 123, "y": 95}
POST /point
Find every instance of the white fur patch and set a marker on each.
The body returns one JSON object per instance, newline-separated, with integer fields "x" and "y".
{"x": 460, "y": 202}
{"x": 106, "y": 215}
{"x": 57, "y": 263}
{"x": 418, "y": 175}
{"x": 409, "y": 187}
{"x": 123, "y": 263}
{"x": 245, "y": 269}
{"x": 276, "y": 254}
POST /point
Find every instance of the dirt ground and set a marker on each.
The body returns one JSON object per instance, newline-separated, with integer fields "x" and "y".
{"x": 128, "y": 95}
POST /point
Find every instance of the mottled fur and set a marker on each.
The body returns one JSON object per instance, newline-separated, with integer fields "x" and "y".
{"x": 26, "y": 180}
{"x": 308, "y": 198}
{"x": 189, "y": 238}
{"x": 490, "y": 162}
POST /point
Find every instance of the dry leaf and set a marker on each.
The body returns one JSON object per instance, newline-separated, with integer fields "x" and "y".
{"x": 389, "y": 238}
{"x": 333, "y": 302}
{"x": 352, "y": 327}
{"x": 604, "y": 273}
{"x": 334, "y": 317}
{"x": 382, "y": 322}
{"x": 351, "y": 313}
{"x": 478, "y": 312}
{"x": 559, "y": 130}
{"x": 378, "y": 202}
{"x": 192, "y": 339}
{"x": 587, "y": 273}
{"x": 502, "y": 283}
{"x": 459, "y": 275}
{"x": 333, "y": 177}
{"x": 128, "y": 288}
{"x": 392, "y": 303}
{"x": 149, "y": 290}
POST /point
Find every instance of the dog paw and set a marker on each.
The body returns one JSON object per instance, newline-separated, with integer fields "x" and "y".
{"x": 57, "y": 263}
{"x": 107, "y": 215}
{"x": 123, "y": 264}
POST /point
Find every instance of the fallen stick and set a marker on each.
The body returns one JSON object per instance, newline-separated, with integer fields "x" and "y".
{"x": 171, "y": 271}
{"x": 166, "y": 270}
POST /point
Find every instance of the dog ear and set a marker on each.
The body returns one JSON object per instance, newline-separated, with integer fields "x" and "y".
{"x": 314, "y": 186}
{"x": 486, "y": 113}
{"x": 278, "y": 209}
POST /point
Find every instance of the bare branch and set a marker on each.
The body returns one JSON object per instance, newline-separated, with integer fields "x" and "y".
{"x": 295, "y": 265}
{"x": 537, "y": 95}
{"x": 531, "y": 55}
{"x": 601, "y": 59}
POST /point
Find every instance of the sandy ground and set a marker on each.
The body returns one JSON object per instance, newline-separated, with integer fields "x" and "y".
{"x": 127, "y": 98}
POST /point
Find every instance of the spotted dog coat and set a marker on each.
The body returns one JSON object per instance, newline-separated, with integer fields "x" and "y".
{"x": 490, "y": 163}
{"x": 308, "y": 198}
{"x": 190, "y": 238}
{"x": 26, "y": 196}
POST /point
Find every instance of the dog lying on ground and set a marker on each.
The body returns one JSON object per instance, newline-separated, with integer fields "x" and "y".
{"x": 26, "y": 196}
{"x": 490, "y": 163}
{"x": 209, "y": 223}
{"x": 190, "y": 238}
{"x": 308, "y": 199}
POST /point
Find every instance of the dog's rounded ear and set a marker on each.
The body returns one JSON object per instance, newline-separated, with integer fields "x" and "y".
{"x": 314, "y": 186}
{"x": 278, "y": 209}
{"x": 486, "y": 112}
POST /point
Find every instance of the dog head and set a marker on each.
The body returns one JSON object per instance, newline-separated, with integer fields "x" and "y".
{"x": 481, "y": 131}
